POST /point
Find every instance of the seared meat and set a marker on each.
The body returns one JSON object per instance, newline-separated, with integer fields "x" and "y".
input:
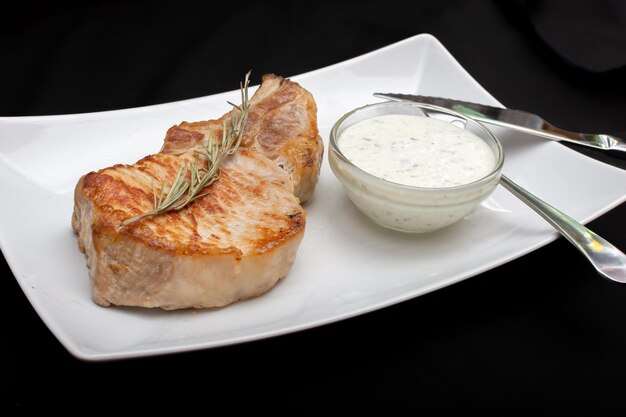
{"x": 233, "y": 243}
{"x": 282, "y": 125}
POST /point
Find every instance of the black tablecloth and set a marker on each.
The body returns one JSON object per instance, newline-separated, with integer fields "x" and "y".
{"x": 541, "y": 333}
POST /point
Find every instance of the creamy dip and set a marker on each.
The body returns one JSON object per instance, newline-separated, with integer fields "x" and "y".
{"x": 417, "y": 151}
{"x": 430, "y": 154}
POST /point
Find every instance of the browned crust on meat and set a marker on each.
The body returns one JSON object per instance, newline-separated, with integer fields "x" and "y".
{"x": 282, "y": 125}
{"x": 283, "y": 134}
{"x": 116, "y": 199}
{"x": 234, "y": 242}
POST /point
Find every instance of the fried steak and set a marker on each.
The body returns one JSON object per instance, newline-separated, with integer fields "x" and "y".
{"x": 233, "y": 243}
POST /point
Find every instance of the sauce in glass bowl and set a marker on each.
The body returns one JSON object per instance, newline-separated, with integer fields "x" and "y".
{"x": 414, "y": 167}
{"x": 417, "y": 151}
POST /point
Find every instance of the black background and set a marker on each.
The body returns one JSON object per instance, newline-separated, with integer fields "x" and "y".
{"x": 541, "y": 333}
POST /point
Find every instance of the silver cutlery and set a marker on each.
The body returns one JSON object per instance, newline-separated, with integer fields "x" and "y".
{"x": 608, "y": 260}
{"x": 517, "y": 120}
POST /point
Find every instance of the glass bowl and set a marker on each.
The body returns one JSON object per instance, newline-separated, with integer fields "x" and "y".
{"x": 410, "y": 208}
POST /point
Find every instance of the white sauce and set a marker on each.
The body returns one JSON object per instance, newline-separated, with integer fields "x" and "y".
{"x": 417, "y": 151}
{"x": 430, "y": 154}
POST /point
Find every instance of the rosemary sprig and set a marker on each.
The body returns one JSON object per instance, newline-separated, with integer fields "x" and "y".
{"x": 184, "y": 191}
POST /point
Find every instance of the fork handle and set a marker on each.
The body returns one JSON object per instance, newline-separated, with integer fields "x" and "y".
{"x": 609, "y": 261}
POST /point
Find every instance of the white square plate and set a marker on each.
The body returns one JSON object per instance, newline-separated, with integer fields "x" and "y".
{"x": 346, "y": 265}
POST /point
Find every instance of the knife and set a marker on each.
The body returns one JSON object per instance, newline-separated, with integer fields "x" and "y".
{"x": 515, "y": 119}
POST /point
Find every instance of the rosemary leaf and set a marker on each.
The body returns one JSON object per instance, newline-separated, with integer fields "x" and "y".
{"x": 183, "y": 191}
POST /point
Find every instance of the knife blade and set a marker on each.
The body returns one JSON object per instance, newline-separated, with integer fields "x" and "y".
{"x": 518, "y": 120}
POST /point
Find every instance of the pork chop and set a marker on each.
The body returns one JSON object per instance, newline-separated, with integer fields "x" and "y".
{"x": 282, "y": 125}
{"x": 233, "y": 243}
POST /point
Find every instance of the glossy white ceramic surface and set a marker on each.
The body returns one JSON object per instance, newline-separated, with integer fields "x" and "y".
{"x": 346, "y": 265}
